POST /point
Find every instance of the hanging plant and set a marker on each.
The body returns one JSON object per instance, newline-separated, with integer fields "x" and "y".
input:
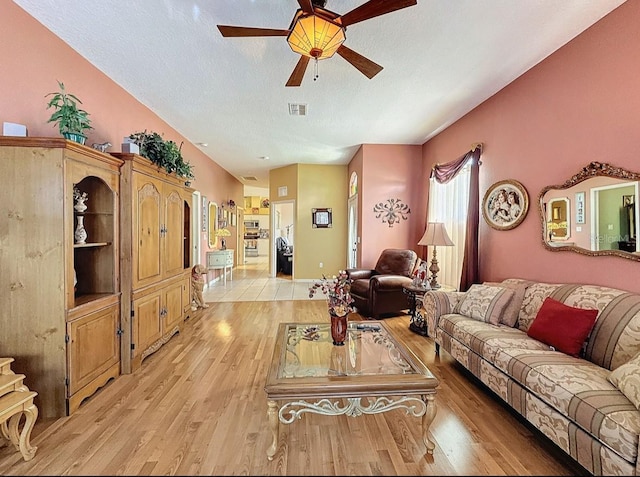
{"x": 165, "y": 154}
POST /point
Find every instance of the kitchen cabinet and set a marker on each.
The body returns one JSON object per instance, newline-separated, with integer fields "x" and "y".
{"x": 255, "y": 205}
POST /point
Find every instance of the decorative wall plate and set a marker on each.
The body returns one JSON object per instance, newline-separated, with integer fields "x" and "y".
{"x": 505, "y": 204}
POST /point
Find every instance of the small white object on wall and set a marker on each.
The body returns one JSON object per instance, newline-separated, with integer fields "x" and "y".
{"x": 14, "y": 129}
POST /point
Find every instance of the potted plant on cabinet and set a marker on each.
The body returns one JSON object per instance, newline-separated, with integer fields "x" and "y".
{"x": 71, "y": 120}
{"x": 165, "y": 154}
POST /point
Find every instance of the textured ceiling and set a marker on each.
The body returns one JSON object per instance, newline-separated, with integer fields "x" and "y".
{"x": 441, "y": 58}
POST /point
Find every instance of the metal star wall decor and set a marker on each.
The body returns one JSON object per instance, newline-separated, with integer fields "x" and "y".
{"x": 392, "y": 211}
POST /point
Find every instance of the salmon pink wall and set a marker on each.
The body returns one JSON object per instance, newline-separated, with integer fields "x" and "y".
{"x": 580, "y": 104}
{"x": 33, "y": 59}
{"x": 389, "y": 172}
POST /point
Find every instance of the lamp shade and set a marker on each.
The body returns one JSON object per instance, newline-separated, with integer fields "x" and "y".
{"x": 436, "y": 234}
{"x": 315, "y": 36}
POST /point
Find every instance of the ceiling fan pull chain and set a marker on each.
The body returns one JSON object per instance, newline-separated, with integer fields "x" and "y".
{"x": 315, "y": 70}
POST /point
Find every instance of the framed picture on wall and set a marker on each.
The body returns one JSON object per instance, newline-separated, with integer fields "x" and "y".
{"x": 579, "y": 207}
{"x": 321, "y": 218}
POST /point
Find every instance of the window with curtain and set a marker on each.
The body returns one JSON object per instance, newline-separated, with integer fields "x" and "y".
{"x": 449, "y": 204}
{"x": 454, "y": 200}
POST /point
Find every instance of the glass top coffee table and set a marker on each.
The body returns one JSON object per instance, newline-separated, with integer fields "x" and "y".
{"x": 371, "y": 374}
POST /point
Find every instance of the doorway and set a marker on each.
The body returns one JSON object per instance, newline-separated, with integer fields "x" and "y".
{"x": 352, "y": 240}
{"x": 240, "y": 252}
{"x": 281, "y": 262}
{"x": 196, "y": 226}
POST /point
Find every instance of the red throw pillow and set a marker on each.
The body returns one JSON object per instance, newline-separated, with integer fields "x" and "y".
{"x": 561, "y": 326}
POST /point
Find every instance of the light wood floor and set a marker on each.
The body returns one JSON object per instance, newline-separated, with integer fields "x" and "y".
{"x": 197, "y": 407}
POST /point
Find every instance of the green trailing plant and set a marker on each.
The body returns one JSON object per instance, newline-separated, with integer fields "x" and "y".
{"x": 164, "y": 153}
{"x": 67, "y": 115}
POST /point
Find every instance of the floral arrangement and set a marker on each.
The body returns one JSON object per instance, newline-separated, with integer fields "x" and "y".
{"x": 79, "y": 196}
{"x": 337, "y": 291}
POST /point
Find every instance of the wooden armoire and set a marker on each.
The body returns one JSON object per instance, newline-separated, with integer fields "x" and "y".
{"x": 155, "y": 254}
{"x": 60, "y": 314}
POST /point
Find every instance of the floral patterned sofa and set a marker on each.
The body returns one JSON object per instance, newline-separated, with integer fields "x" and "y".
{"x": 571, "y": 399}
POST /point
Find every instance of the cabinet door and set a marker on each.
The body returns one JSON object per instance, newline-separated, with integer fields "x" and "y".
{"x": 147, "y": 220}
{"x": 94, "y": 346}
{"x": 186, "y": 294}
{"x": 172, "y": 307}
{"x": 147, "y": 324}
{"x": 173, "y": 235}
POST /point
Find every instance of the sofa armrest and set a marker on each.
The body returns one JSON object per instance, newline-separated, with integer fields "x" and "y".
{"x": 437, "y": 303}
{"x": 359, "y": 273}
{"x": 389, "y": 282}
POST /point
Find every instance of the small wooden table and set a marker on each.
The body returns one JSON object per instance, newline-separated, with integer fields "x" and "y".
{"x": 417, "y": 323}
{"x": 373, "y": 373}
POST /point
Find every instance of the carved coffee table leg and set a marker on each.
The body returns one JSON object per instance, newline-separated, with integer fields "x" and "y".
{"x": 427, "y": 419}
{"x": 272, "y": 414}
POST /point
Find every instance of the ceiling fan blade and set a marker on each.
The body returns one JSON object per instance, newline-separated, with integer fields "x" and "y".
{"x": 306, "y": 6}
{"x": 298, "y": 72}
{"x": 238, "y": 31}
{"x": 364, "y": 65}
{"x": 374, "y": 8}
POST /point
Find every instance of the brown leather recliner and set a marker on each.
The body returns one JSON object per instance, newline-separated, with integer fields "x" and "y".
{"x": 379, "y": 291}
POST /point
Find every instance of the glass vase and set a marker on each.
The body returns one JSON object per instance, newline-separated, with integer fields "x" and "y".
{"x": 338, "y": 329}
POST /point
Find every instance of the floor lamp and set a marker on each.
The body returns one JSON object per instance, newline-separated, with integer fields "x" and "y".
{"x": 436, "y": 234}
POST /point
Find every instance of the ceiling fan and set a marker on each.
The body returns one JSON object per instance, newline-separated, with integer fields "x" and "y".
{"x": 319, "y": 33}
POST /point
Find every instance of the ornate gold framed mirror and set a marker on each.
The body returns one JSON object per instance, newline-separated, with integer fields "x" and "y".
{"x": 213, "y": 224}
{"x": 593, "y": 212}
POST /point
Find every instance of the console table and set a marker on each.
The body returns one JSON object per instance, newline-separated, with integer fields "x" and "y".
{"x": 220, "y": 260}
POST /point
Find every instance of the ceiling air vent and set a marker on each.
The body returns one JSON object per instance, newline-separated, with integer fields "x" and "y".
{"x": 297, "y": 109}
{"x": 249, "y": 178}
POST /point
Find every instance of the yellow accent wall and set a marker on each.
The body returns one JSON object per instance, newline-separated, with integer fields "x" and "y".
{"x": 321, "y": 186}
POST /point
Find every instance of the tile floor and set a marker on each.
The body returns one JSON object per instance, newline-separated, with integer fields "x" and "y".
{"x": 251, "y": 282}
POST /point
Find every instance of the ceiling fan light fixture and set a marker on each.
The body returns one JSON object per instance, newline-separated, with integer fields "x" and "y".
{"x": 315, "y": 36}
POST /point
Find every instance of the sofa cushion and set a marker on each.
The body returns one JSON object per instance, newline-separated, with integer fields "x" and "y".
{"x": 562, "y": 327}
{"x": 615, "y": 338}
{"x": 627, "y": 379}
{"x": 486, "y": 339}
{"x": 485, "y": 303}
{"x": 532, "y": 301}
{"x": 510, "y": 314}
